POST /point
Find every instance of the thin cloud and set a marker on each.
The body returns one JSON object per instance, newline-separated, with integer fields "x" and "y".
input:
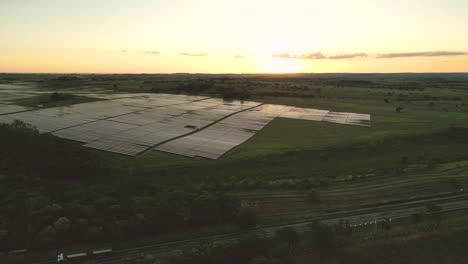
{"x": 304, "y": 56}
{"x": 313, "y": 56}
{"x": 193, "y": 54}
{"x": 319, "y": 56}
{"x": 239, "y": 57}
{"x": 284, "y": 56}
{"x": 151, "y": 52}
{"x": 348, "y": 56}
{"x": 420, "y": 54}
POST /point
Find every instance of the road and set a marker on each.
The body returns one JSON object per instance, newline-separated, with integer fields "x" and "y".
{"x": 358, "y": 217}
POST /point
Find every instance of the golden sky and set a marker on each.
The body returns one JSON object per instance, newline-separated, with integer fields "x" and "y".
{"x": 242, "y": 36}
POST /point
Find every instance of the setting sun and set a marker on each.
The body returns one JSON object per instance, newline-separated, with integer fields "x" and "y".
{"x": 215, "y": 36}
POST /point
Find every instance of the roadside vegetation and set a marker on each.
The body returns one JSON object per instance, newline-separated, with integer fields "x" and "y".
{"x": 406, "y": 241}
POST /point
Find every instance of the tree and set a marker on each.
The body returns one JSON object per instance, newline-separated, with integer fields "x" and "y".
{"x": 47, "y": 236}
{"x": 404, "y": 160}
{"x": 386, "y": 226}
{"x": 454, "y": 183}
{"x": 170, "y": 257}
{"x": 259, "y": 260}
{"x": 416, "y": 219}
{"x": 246, "y": 218}
{"x": 313, "y": 196}
{"x": 290, "y": 236}
{"x": 55, "y": 96}
{"x": 344, "y": 229}
{"x": 435, "y": 214}
{"x": 323, "y": 237}
{"x": 3, "y": 234}
{"x": 62, "y": 224}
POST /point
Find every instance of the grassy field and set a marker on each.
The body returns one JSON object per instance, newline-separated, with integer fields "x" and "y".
{"x": 297, "y": 154}
{"x": 418, "y": 151}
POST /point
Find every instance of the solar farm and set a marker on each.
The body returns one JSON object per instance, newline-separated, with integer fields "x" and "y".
{"x": 192, "y": 126}
{"x": 157, "y": 154}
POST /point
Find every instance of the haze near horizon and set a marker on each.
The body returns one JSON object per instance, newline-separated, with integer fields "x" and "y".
{"x": 210, "y": 36}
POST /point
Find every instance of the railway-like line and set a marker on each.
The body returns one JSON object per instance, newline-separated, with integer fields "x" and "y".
{"x": 358, "y": 217}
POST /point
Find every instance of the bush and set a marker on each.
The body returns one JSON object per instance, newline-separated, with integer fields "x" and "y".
{"x": 54, "y": 97}
{"x": 313, "y": 196}
{"x": 260, "y": 260}
{"x": 247, "y": 218}
{"x": 289, "y": 236}
{"x": 25, "y": 151}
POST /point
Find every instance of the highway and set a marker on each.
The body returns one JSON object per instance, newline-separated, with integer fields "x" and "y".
{"x": 358, "y": 217}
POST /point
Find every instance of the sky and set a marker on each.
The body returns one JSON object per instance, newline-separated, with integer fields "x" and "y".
{"x": 225, "y": 36}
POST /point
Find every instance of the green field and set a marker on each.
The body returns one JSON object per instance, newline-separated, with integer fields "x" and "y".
{"x": 418, "y": 151}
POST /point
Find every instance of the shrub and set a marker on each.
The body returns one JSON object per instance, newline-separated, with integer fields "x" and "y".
{"x": 247, "y": 218}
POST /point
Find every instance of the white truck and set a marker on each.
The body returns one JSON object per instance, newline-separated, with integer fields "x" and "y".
{"x": 62, "y": 257}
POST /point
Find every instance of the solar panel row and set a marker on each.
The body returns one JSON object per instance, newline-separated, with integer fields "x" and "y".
{"x": 7, "y": 109}
{"x": 156, "y": 128}
{"x": 221, "y": 137}
{"x": 186, "y": 125}
{"x": 218, "y": 139}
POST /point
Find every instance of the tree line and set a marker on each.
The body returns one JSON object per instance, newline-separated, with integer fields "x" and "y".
{"x": 54, "y": 192}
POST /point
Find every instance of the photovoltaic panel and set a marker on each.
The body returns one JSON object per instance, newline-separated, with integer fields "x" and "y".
{"x": 162, "y": 124}
{"x": 186, "y": 125}
{"x": 348, "y": 118}
{"x": 219, "y": 138}
{"x": 305, "y": 114}
{"x": 7, "y": 109}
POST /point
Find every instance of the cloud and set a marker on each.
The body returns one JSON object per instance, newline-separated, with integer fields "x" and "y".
{"x": 420, "y": 54}
{"x": 151, "y": 52}
{"x": 239, "y": 57}
{"x": 123, "y": 50}
{"x": 304, "y": 56}
{"x": 284, "y": 56}
{"x": 313, "y": 56}
{"x": 319, "y": 56}
{"x": 193, "y": 54}
{"x": 347, "y": 56}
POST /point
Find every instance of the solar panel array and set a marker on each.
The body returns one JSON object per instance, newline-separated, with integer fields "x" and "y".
{"x": 186, "y": 125}
{"x": 11, "y": 92}
{"x": 57, "y": 118}
{"x": 7, "y": 109}
{"x": 219, "y": 138}
{"x": 216, "y": 140}
{"x": 159, "y": 125}
{"x": 348, "y": 118}
{"x": 306, "y": 114}
{"x": 327, "y": 116}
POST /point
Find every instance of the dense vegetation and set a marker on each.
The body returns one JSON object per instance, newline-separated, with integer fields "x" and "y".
{"x": 40, "y": 205}
{"x": 325, "y": 244}
{"x": 54, "y": 99}
{"x": 27, "y": 153}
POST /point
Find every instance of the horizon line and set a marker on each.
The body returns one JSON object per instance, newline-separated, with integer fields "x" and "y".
{"x": 266, "y": 73}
